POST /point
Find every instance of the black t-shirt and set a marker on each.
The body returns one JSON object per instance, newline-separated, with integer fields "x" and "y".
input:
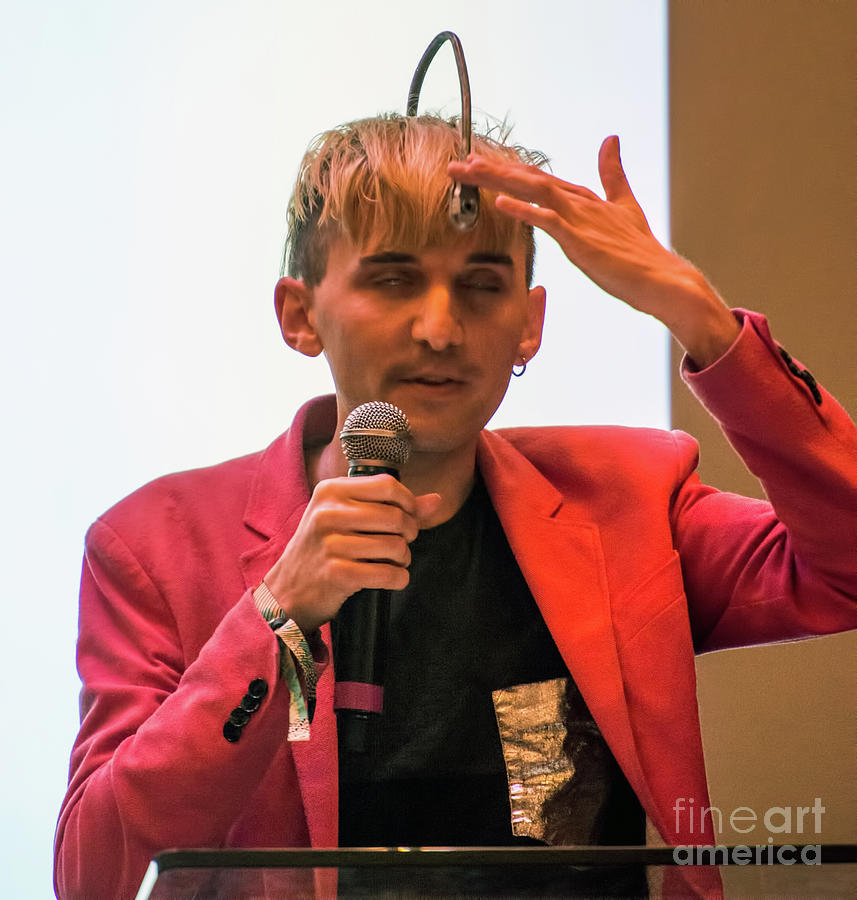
{"x": 466, "y": 627}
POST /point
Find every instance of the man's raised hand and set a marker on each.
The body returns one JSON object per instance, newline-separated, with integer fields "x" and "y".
{"x": 610, "y": 241}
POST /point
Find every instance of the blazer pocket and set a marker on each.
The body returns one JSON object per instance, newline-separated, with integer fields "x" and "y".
{"x": 647, "y": 600}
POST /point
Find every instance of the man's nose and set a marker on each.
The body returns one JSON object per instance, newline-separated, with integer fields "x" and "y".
{"x": 437, "y": 321}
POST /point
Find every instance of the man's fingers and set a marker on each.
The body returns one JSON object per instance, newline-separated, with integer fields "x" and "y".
{"x": 364, "y": 518}
{"x": 613, "y": 178}
{"x": 374, "y": 505}
{"x": 388, "y": 549}
{"x": 523, "y": 182}
{"x": 427, "y": 506}
{"x": 538, "y": 216}
{"x": 372, "y": 489}
{"x": 533, "y": 185}
{"x": 382, "y": 577}
{"x": 347, "y": 576}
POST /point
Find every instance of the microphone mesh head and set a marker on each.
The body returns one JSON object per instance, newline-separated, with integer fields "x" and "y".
{"x": 377, "y": 430}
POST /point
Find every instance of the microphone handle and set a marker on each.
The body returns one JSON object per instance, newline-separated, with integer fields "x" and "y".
{"x": 359, "y": 634}
{"x": 359, "y": 651}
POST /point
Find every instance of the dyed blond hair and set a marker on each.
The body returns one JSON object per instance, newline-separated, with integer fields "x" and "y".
{"x": 383, "y": 181}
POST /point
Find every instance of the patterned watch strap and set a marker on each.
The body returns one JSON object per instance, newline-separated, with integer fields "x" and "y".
{"x": 294, "y": 647}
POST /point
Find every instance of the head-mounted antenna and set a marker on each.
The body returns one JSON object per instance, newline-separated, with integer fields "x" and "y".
{"x": 463, "y": 198}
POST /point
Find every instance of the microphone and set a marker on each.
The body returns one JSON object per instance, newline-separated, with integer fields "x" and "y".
{"x": 376, "y": 439}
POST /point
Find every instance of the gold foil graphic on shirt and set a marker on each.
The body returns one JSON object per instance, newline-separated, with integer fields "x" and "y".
{"x": 554, "y": 756}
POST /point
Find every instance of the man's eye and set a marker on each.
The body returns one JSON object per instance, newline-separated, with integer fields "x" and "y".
{"x": 391, "y": 279}
{"x": 481, "y": 284}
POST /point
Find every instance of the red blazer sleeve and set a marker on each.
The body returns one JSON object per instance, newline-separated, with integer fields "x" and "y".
{"x": 756, "y": 572}
{"x": 150, "y": 768}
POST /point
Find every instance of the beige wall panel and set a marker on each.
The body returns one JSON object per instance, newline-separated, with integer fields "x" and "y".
{"x": 763, "y": 144}
{"x": 763, "y": 174}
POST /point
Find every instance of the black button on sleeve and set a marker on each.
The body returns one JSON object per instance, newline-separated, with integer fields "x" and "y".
{"x": 804, "y": 374}
{"x": 812, "y": 385}
{"x": 258, "y": 687}
{"x": 242, "y": 713}
{"x": 250, "y": 703}
{"x": 239, "y": 716}
{"x": 790, "y": 363}
{"x": 231, "y": 732}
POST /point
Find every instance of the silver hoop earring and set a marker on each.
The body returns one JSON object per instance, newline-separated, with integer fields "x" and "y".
{"x": 523, "y": 366}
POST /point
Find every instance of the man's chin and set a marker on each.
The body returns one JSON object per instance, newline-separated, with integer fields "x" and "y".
{"x": 435, "y": 438}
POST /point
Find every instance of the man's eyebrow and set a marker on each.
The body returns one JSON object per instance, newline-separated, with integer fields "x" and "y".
{"x": 393, "y": 256}
{"x": 388, "y": 256}
{"x": 491, "y": 259}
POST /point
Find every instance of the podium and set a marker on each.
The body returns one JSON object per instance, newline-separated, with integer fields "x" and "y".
{"x": 498, "y": 873}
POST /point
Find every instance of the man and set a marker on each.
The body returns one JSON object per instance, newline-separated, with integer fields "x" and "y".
{"x": 567, "y": 569}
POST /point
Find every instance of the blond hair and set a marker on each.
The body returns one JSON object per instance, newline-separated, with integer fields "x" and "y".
{"x": 383, "y": 180}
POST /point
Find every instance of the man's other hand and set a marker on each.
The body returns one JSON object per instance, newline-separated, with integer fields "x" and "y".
{"x": 354, "y": 534}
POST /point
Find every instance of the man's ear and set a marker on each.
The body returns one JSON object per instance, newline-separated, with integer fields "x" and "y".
{"x": 293, "y": 302}
{"x": 531, "y": 337}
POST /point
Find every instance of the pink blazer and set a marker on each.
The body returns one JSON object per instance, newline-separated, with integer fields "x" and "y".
{"x": 633, "y": 562}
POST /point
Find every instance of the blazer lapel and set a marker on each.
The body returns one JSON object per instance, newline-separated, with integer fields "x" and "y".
{"x": 558, "y": 548}
{"x": 277, "y": 501}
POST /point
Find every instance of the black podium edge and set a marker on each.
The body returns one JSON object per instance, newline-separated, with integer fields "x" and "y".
{"x": 480, "y": 856}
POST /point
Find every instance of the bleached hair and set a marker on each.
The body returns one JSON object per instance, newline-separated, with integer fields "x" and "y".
{"x": 382, "y": 181}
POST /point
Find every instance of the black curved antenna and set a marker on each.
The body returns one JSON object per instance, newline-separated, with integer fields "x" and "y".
{"x": 463, "y": 198}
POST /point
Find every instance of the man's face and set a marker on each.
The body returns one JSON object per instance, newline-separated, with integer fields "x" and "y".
{"x": 434, "y": 331}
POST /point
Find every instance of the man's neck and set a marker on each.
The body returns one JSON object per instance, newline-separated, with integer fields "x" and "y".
{"x": 449, "y": 474}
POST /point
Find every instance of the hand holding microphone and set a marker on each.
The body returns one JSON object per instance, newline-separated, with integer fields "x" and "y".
{"x": 354, "y": 534}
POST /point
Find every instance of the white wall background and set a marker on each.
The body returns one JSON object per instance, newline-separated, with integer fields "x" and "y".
{"x": 147, "y": 153}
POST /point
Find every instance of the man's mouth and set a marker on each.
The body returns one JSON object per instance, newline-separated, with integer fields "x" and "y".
{"x": 432, "y": 380}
